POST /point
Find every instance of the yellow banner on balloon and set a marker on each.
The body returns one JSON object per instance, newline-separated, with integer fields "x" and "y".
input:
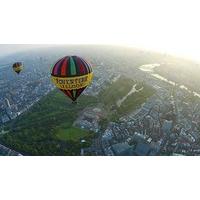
{"x": 72, "y": 83}
{"x": 17, "y": 69}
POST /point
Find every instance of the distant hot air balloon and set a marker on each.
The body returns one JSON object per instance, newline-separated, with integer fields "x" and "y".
{"x": 17, "y": 67}
{"x": 72, "y": 75}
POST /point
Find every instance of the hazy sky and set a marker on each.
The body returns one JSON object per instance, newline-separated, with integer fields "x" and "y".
{"x": 10, "y": 48}
{"x": 162, "y": 25}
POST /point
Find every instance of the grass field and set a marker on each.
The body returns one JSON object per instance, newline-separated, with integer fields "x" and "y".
{"x": 116, "y": 91}
{"x": 72, "y": 134}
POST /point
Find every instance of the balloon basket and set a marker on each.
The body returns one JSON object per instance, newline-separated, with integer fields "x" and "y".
{"x": 74, "y": 102}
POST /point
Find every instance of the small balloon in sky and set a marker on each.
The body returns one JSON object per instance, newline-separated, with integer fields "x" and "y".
{"x": 18, "y": 67}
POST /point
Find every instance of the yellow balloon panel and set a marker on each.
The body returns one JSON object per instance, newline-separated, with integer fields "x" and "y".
{"x": 18, "y": 69}
{"x": 72, "y": 83}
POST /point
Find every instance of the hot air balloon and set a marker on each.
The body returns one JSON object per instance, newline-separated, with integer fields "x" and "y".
{"x": 72, "y": 75}
{"x": 17, "y": 67}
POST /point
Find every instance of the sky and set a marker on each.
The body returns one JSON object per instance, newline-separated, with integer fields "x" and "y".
{"x": 169, "y": 26}
{"x": 6, "y": 49}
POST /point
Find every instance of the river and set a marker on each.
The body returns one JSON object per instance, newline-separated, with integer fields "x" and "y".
{"x": 149, "y": 68}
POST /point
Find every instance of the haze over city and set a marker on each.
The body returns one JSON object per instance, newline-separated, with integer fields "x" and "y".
{"x": 166, "y": 26}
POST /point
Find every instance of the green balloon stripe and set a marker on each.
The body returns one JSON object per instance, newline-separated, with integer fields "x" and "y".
{"x": 72, "y": 67}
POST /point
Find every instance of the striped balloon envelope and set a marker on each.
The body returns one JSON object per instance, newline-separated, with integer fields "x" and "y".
{"x": 72, "y": 75}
